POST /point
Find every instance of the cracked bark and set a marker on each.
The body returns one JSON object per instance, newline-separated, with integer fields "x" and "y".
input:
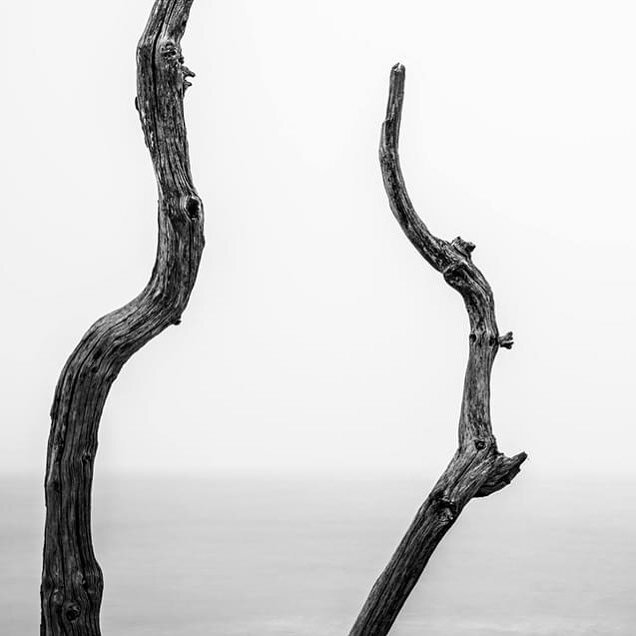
{"x": 477, "y": 469}
{"x": 72, "y": 583}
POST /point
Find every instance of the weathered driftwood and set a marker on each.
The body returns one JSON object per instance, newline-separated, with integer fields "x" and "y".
{"x": 72, "y": 583}
{"x": 478, "y": 468}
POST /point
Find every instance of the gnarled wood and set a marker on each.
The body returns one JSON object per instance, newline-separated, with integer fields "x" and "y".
{"x": 478, "y": 468}
{"x": 72, "y": 583}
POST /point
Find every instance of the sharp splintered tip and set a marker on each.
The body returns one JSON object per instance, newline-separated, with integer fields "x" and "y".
{"x": 396, "y": 83}
{"x": 520, "y": 458}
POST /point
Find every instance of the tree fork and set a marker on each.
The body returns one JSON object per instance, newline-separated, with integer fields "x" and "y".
{"x": 72, "y": 581}
{"x": 477, "y": 469}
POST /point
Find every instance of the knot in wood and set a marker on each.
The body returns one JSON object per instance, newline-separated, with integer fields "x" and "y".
{"x": 57, "y": 599}
{"x": 72, "y": 611}
{"x": 53, "y": 484}
{"x": 169, "y": 52}
{"x": 448, "y": 515}
{"x": 465, "y": 248}
{"x": 192, "y": 206}
{"x": 453, "y": 273}
{"x": 447, "y": 506}
{"x": 91, "y": 592}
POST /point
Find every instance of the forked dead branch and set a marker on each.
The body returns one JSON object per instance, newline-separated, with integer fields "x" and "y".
{"x": 478, "y": 468}
{"x": 72, "y": 582}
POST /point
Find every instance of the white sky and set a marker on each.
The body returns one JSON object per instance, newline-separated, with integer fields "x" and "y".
{"x": 317, "y": 338}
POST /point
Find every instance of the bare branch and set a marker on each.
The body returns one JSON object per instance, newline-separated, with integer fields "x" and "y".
{"x": 72, "y": 581}
{"x": 478, "y": 468}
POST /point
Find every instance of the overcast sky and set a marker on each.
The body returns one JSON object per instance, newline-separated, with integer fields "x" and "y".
{"x": 316, "y": 337}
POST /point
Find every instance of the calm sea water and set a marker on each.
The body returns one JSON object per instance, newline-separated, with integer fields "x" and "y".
{"x": 296, "y": 556}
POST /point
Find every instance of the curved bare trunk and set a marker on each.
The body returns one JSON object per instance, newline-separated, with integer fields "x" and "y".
{"x": 478, "y": 468}
{"x": 72, "y": 582}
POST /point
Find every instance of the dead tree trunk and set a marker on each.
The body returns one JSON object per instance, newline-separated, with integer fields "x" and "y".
{"x": 478, "y": 468}
{"x": 72, "y": 583}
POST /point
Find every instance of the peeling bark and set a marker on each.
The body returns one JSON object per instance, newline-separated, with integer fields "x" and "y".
{"x": 478, "y": 469}
{"x": 72, "y": 583}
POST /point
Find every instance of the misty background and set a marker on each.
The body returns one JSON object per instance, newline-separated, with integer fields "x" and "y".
{"x": 259, "y": 463}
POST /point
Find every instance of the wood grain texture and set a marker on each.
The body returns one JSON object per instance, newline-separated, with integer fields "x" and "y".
{"x": 72, "y": 583}
{"x": 477, "y": 468}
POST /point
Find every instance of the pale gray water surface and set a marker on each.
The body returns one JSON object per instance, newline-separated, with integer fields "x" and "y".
{"x": 291, "y": 555}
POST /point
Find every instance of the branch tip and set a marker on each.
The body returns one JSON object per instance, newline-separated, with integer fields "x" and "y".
{"x": 396, "y": 96}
